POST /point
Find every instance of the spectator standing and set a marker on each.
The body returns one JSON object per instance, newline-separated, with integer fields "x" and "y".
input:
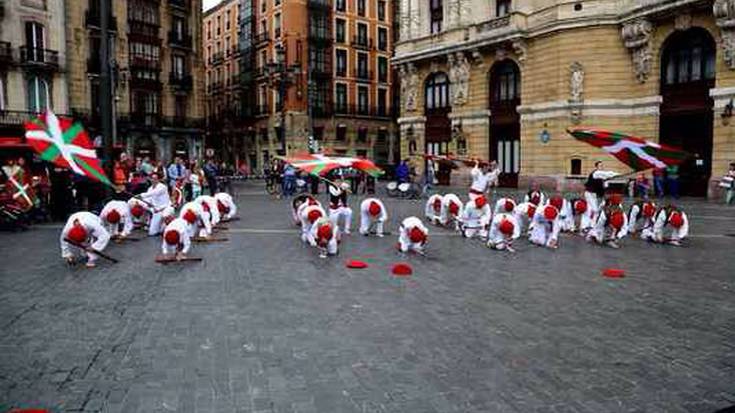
{"x": 210, "y": 174}
{"x": 658, "y": 182}
{"x": 176, "y": 172}
{"x": 145, "y": 166}
{"x": 730, "y": 192}
{"x": 197, "y": 181}
{"x": 289, "y": 180}
{"x": 642, "y": 185}
{"x": 672, "y": 180}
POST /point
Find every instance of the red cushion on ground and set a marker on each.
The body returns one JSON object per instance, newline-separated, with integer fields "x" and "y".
{"x": 356, "y": 264}
{"x": 402, "y": 269}
{"x": 613, "y": 273}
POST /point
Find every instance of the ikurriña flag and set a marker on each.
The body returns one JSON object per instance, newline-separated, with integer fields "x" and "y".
{"x": 65, "y": 143}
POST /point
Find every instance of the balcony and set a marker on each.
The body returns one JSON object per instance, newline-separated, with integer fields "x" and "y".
{"x": 93, "y": 21}
{"x": 143, "y": 30}
{"x": 321, "y": 111}
{"x": 6, "y": 54}
{"x": 179, "y": 4}
{"x": 322, "y": 70}
{"x": 217, "y": 58}
{"x": 359, "y": 42}
{"x": 320, "y": 36}
{"x": 363, "y": 75}
{"x": 214, "y": 87}
{"x": 32, "y": 57}
{"x": 176, "y": 40}
{"x": 180, "y": 81}
{"x": 363, "y": 111}
{"x": 261, "y": 39}
{"x": 320, "y": 4}
{"x": 234, "y": 51}
{"x": 184, "y": 122}
{"x": 144, "y": 62}
{"x": 15, "y": 117}
{"x": 141, "y": 119}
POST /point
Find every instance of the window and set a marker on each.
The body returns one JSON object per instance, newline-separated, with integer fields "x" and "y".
{"x": 209, "y": 30}
{"x": 361, "y": 137}
{"x": 178, "y": 66}
{"x": 227, "y": 20}
{"x": 318, "y": 60}
{"x": 381, "y": 10}
{"x": 502, "y": 8}
{"x": 576, "y": 167}
{"x": 219, "y": 25}
{"x": 3, "y": 94}
{"x": 180, "y": 107}
{"x": 437, "y": 15}
{"x": 34, "y": 42}
{"x": 340, "y": 5}
{"x": 318, "y": 133}
{"x": 506, "y": 82}
{"x": 437, "y": 91}
{"x": 178, "y": 28}
{"x": 340, "y": 30}
{"x": 362, "y": 100}
{"x": 689, "y": 57}
{"x": 277, "y": 2}
{"x": 277, "y": 25}
{"x": 382, "y": 39}
{"x": 361, "y": 8}
{"x": 382, "y": 69}
{"x": 145, "y": 103}
{"x": 362, "y": 65}
{"x": 340, "y": 92}
{"x": 341, "y": 134}
{"x": 321, "y": 97}
{"x": 382, "y": 102}
{"x": 362, "y": 37}
{"x": 263, "y": 58}
{"x": 318, "y": 26}
{"x": 263, "y": 5}
{"x": 341, "y": 62}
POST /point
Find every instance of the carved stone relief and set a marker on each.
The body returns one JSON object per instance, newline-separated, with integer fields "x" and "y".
{"x": 637, "y": 39}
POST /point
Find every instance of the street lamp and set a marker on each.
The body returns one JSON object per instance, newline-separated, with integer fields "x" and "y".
{"x": 282, "y": 76}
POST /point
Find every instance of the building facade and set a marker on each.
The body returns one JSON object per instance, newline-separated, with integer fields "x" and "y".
{"x": 157, "y": 71}
{"x": 504, "y": 79}
{"x": 226, "y": 123}
{"x": 33, "y": 62}
{"x": 318, "y": 71}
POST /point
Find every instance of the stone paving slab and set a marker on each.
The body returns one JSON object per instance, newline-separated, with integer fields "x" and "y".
{"x": 264, "y": 325}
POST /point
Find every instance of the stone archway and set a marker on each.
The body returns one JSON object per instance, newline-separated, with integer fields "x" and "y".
{"x": 505, "y": 123}
{"x": 687, "y": 75}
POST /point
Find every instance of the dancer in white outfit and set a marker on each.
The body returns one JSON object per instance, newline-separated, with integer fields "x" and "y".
{"x": 433, "y": 209}
{"x": 503, "y": 230}
{"x": 545, "y": 228}
{"x": 372, "y": 214}
{"x": 451, "y": 212}
{"x": 117, "y": 219}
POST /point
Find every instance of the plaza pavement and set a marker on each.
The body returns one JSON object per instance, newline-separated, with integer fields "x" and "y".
{"x": 264, "y": 325}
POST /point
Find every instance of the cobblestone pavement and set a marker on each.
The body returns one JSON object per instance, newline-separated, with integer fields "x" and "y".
{"x": 264, "y": 325}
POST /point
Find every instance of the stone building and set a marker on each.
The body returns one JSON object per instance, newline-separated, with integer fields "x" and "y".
{"x": 503, "y": 79}
{"x": 319, "y": 68}
{"x": 157, "y": 70}
{"x": 33, "y": 62}
{"x": 226, "y": 133}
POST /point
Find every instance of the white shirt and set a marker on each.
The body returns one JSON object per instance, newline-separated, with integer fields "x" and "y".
{"x": 123, "y": 209}
{"x": 96, "y": 233}
{"x": 475, "y": 218}
{"x": 158, "y": 196}
{"x": 227, "y": 200}
{"x": 365, "y": 206}
{"x": 495, "y": 236}
{"x": 480, "y": 181}
{"x": 181, "y": 226}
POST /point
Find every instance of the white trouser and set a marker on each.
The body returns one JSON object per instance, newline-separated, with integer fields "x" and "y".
{"x": 335, "y": 214}
{"x": 366, "y": 222}
{"x": 541, "y": 235}
{"x": 473, "y": 231}
{"x": 586, "y": 221}
{"x": 155, "y": 226}
{"x": 592, "y": 204}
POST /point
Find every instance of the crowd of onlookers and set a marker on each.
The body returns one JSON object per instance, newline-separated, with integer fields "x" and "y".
{"x": 40, "y": 191}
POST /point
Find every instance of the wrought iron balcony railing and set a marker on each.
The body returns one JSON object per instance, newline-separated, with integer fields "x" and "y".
{"x": 34, "y": 56}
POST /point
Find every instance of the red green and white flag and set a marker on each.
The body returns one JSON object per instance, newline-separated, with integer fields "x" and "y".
{"x": 318, "y": 164}
{"x": 635, "y": 152}
{"x": 65, "y": 143}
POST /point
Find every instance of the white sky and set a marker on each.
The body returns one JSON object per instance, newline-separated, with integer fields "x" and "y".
{"x": 208, "y": 4}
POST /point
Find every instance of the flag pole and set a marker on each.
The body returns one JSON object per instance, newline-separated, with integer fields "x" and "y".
{"x": 106, "y": 87}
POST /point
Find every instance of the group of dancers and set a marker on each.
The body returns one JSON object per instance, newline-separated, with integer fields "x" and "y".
{"x": 86, "y": 235}
{"x": 598, "y": 216}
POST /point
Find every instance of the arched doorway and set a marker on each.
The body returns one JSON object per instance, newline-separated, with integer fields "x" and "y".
{"x": 505, "y": 122}
{"x": 687, "y": 75}
{"x": 438, "y": 130}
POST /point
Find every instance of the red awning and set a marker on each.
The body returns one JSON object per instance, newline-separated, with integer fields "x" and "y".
{"x": 8, "y": 142}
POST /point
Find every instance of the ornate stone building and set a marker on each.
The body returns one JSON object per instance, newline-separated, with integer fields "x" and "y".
{"x": 503, "y": 79}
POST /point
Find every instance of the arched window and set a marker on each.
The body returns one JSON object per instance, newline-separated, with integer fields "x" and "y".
{"x": 506, "y": 82}
{"x": 437, "y": 91}
{"x": 688, "y": 57}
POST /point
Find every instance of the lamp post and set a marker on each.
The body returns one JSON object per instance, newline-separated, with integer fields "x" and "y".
{"x": 282, "y": 76}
